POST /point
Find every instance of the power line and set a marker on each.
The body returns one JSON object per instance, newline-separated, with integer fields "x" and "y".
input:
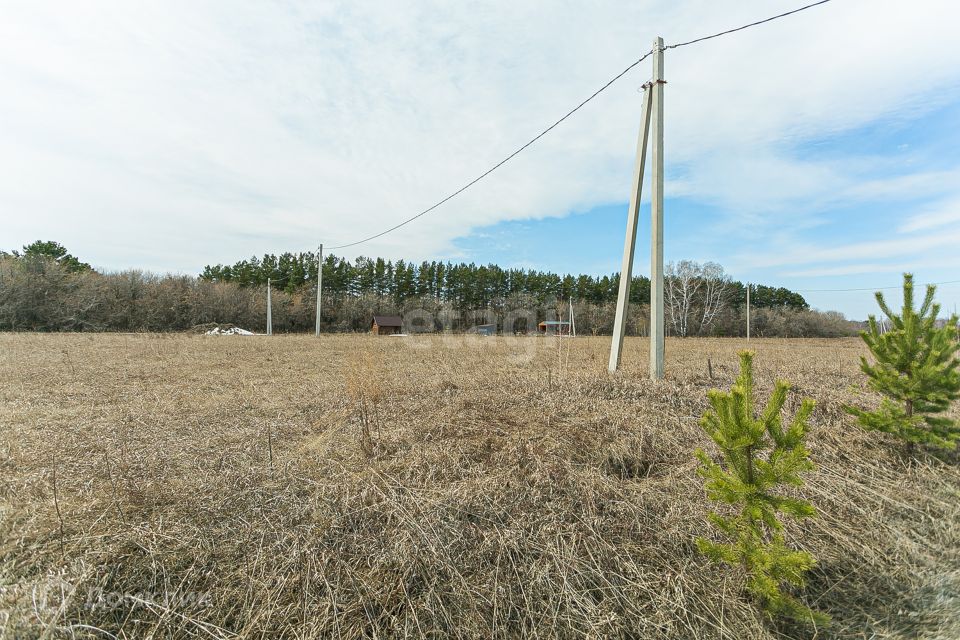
{"x": 746, "y": 26}
{"x": 505, "y": 160}
{"x": 871, "y": 288}
{"x": 567, "y": 115}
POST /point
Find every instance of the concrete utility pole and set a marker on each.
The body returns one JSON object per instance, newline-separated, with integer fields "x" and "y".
{"x": 573, "y": 323}
{"x": 656, "y": 219}
{"x": 652, "y": 110}
{"x": 626, "y": 268}
{"x": 319, "y": 286}
{"x": 748, "y": 312}
{"x": 269, "y": 310}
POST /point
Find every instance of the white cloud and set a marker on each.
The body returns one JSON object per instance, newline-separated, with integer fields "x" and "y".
{"x": 898, "y": 246}
{"x": 172, "y": 134}
{"x": 940, "y": 215}
{"x": 850, "y": 269}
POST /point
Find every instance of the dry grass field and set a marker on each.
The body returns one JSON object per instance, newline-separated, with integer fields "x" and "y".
{"x": 173, "y": 486}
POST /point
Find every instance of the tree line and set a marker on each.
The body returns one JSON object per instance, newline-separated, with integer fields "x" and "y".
{"x": 44, "y": 288}
{"x": 468, "y": 286}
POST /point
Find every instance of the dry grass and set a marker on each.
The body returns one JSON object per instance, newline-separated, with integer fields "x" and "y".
{"x": 205, "y": 487}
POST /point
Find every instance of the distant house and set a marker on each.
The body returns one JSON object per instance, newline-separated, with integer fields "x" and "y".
{"x": 554, "y": 327}
{"x": 386, "y": 325}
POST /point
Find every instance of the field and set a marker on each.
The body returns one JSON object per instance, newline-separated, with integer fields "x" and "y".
{"x": 180, "y": 486}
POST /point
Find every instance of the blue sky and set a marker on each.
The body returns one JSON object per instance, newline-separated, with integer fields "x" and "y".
{"x": 927, "y": 140}
{"x": 815, "y": 152}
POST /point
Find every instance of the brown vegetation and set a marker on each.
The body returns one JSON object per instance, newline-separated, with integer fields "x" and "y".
{"x": 43, "y": 295}
{"x": 185, "y": 486}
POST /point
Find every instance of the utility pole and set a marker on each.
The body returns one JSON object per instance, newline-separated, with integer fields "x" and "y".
{"x": 269, "y": 310}
{"x": 748, "y": 312}
{"x": 573, "y": 323}
{"x": 319, "y": 286}
{"x": 656, "y": 219}
{"x": 626, "y": 268}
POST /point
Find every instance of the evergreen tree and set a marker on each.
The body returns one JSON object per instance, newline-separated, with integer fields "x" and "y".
{"x": 54, "y": 251}
{"x": 916, "y": 371}
{"x": 758, "y": 457}
{"x": 462, "y": 286}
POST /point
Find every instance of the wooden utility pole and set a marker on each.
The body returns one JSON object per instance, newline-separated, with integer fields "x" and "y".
{"x": 748, "y": 312}
{"x": 269, "y": 310}
{"x": 652, "y": 110}
{"x": 656, "y": 219}
{"x": 319, "y": 286}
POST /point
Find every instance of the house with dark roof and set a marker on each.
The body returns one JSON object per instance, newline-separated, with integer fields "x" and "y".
{"x": 554, "y": 328}
{"x": 386, "y": 325}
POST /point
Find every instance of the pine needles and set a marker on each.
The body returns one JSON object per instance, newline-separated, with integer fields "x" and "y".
{"x": 916, "y": 371}
{"x": 748, "y": 480}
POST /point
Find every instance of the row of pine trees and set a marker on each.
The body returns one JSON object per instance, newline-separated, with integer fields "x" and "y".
{"x": 467, "y": 286}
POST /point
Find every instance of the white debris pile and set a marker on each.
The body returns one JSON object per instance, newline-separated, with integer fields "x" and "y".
{"x": 232, "y": 331}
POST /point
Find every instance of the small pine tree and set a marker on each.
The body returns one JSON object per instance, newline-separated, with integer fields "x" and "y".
{"x": 916, "y": 371}
{"x": 759, "y": 457}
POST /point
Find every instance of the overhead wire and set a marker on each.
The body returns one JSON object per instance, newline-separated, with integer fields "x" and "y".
{"x": 505, "y": 160}
{"x": 564, "y": 117}
{"x": 936, "y": 284}
{"x": 746, "y": 26}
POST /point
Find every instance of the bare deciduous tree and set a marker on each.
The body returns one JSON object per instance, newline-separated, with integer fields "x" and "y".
{"x": 695, "y": 295}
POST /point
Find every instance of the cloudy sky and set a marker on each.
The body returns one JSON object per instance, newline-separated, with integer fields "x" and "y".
{"x": 816, "y": 152}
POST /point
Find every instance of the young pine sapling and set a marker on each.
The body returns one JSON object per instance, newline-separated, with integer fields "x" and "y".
{"x": 758, "y": 457}
{"x": 915, "y": 370}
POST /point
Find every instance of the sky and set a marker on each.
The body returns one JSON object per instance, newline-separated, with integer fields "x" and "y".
{"x": 816, "y": 152}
